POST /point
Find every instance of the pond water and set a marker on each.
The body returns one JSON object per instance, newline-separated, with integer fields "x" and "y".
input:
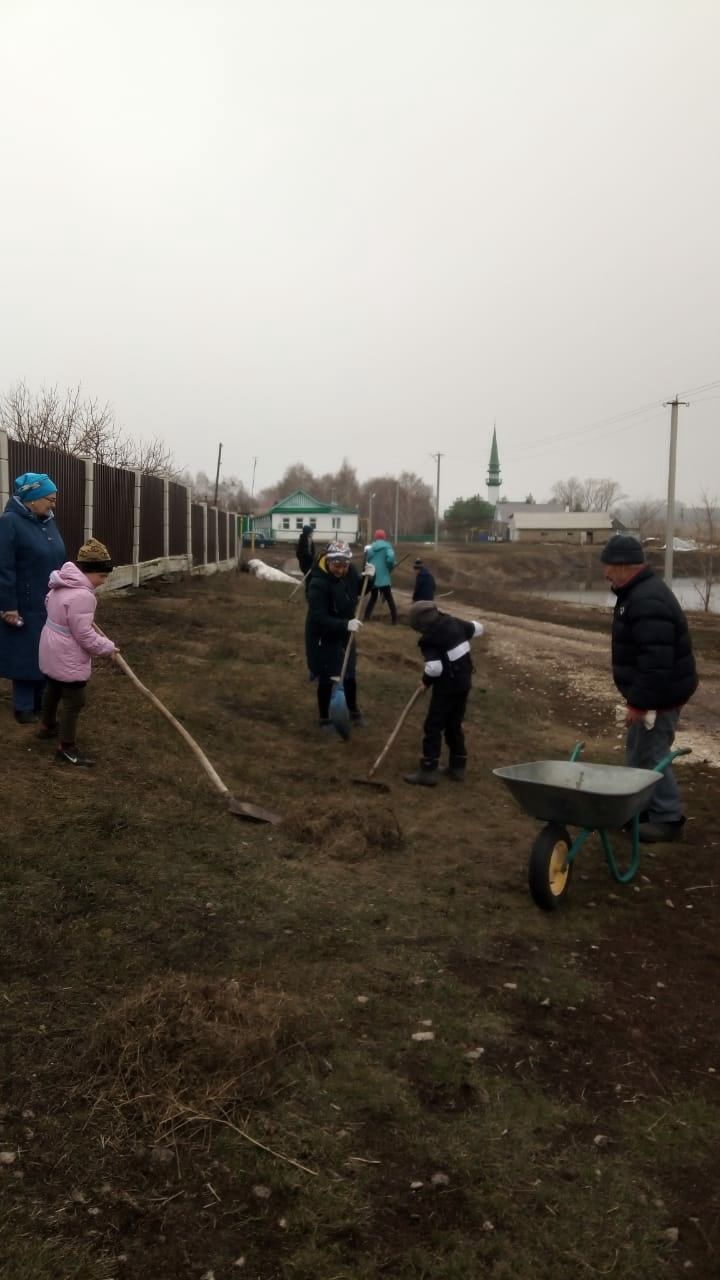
{"x": 686, "y": 590}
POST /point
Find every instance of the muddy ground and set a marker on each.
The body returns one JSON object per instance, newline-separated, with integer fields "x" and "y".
{"x": 348, "y": 1046}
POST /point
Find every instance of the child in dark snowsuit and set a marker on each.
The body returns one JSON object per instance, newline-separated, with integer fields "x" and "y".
{"x": 445, "y": 645}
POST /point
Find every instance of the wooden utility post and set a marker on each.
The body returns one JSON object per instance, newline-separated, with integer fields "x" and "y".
{"x": 217, "y": 475}
{"x": 672, "y": 464}
{"x": 437, "y": 499}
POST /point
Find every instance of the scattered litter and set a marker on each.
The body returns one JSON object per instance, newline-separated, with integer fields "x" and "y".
{"x": 262, "y": 1193}
{"x": 669, "y": 902}
{"x": 440, "y": 1180}
{"x": 8, "y": 1157}
{"x": 362, "y": 999}
{"x": 510, "y": 986}
{"x": 423, "y": 1035}
{"x": 672, "y": 1235}
{"x": 472, "y": 1055}
{"x": 600, "y": 1140}
{"x": 415, "y": 1186}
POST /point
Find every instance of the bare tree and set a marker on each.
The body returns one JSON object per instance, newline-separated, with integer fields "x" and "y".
{"x": 643, "y": 515}
{"x": 587, "y": 495}
{"x": 707, "y": 533}
{"x": 85, "y": 427}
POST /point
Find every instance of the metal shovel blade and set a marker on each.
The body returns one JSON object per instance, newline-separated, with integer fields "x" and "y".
{"x": 338, "y": 712}
{"x": 253, "y": 812}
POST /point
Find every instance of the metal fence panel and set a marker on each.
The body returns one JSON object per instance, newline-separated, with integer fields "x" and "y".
{"x": 151, "y": 517}
{"x": 232, "y": 531}
{"x": 198, "y": 548}
{"x": 222, "y": 534}
{"x": 113, "y": 516}
{"x": 212, "y": 536}
{"x": 68, "y": 473}
{"x": 178, "y": 519}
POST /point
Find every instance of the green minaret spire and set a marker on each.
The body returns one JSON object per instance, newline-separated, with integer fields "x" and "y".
{"x": 493, "y": 476}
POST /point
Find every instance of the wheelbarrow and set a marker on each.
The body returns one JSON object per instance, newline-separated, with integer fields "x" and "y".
{"x": 593, "y": 797}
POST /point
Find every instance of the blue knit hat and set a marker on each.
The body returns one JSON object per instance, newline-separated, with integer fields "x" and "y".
{"x": 32, "y": 485}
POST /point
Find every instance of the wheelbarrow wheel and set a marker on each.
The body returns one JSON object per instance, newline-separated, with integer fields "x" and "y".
{"x": 549, "y": 871}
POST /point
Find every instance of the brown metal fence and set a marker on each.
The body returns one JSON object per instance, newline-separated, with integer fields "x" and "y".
{"x": 232, "y": 535}
{"x": 222, "y": 534}
{"x": 113, "y": 517}
{"x": 198, "y": 537}
{"x": 68, "y": 473}
{"x": 177, "y": 500}
{"x": 212, "y": 536}
{"x": 151, "y": 517}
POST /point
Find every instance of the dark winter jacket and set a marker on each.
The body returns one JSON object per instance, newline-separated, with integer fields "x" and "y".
{"x": 305, "y": 552}
{"x": 29, "y": 551}
{"x": 445, "y": 646}
{"x": 424, "y": 585}
{"x": 331, "y": 603}
{"x": 652, "y": 658}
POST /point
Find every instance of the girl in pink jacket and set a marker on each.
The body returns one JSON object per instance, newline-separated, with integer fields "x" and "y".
{"x": 68, "y": 642}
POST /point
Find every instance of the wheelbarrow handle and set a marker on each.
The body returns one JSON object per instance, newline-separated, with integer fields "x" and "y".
{"x": 667, "y": 760}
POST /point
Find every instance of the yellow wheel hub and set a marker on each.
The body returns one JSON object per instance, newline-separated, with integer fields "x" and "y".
{"x": 559, "y": 868}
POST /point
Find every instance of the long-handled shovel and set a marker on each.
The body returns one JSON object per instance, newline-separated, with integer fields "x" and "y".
{"x": 239, "y": 807}
{"x": 370, "y": 781}
{"x": 303, "y": 580}
{"x": 338, "y": 710}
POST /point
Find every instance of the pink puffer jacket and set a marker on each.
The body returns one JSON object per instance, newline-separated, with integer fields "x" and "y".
{"x": 68, "y": 639}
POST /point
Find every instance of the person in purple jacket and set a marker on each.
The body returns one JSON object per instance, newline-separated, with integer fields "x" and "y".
{"x": 68, "y": 643}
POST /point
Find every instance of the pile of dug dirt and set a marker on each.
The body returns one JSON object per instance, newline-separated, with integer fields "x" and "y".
{"x": 349, "y": 830}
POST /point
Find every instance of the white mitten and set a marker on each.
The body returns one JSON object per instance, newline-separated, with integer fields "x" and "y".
{"x": 354, "y": 624}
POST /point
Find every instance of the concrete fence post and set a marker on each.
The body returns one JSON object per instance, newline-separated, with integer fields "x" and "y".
{"x": 166, "y": 518}
{"x": 188, "y": 497}
{"x": 205, "y": 524}
{"x": 136, "y": 531}
{"x": 4, "y": 470}
{"x": 89, "y": 517}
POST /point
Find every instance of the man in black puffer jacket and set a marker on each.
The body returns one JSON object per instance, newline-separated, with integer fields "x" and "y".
{"x": 445, "y": 645}
{"x": 654, "y": 669}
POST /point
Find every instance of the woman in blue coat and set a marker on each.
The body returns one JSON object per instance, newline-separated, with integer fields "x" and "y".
{"x": 30, "y": 548}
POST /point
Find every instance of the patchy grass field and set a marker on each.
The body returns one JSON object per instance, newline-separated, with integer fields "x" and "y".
{"x": 347, "y": 1047}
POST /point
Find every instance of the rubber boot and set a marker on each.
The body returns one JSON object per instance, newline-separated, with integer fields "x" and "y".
{"x": 661, "y": 832}
{"x": 69, "y": 754}
{"x": 455, "y": 769}
{"x": 425, "y": 776}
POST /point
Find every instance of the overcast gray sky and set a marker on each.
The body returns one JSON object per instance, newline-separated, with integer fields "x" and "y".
{"x": 317, "y": 228}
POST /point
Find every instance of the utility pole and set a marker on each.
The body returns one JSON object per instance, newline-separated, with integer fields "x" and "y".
{"x": 252, "y": 487}
{"x": 670, "y": 517}
{"x": 217, "y": 475}
{"x": 397, "y": 509}
{"x": 437, "y": 497}
{"x": 370, "y": 534}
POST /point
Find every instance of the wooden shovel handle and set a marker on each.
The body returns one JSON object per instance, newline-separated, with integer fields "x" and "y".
{"x": 125, "y": 667}
{"x": 402, "y": 718}
{"x": 348, "y": 647}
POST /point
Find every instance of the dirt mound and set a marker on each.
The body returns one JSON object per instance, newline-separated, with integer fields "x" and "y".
{"x": 351, "y": 830}
{"x": 184, "y": 1048}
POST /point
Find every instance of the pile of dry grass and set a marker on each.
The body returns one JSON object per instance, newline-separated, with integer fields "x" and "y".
{"x": 348, "y": 831}
{"x": 185, "y": 1050}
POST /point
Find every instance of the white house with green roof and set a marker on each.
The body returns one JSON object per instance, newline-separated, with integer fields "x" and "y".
{"x": 329, "y": 520}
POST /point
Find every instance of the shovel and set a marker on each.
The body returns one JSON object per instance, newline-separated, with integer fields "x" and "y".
{"x": 338, "y": 709}
{"x": 238, "y": 807}
{"x": 370, "y": 781}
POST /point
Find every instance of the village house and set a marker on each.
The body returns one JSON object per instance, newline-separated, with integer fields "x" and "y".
{"x": 583, "y": 527}
{"x": 328, "y": 520}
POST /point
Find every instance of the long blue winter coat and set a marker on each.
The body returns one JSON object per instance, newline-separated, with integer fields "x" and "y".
{"x": 381, "y": 554}
{"x": 29, "y": 551}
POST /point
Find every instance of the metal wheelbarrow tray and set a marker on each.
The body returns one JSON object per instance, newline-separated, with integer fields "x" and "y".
{"x": 593, "y": 797}
{"x": 583, "y": 795}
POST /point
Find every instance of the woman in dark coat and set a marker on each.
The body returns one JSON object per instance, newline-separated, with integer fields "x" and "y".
{"x": 30, "y": 548}
{"x": 332, "y": 597}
